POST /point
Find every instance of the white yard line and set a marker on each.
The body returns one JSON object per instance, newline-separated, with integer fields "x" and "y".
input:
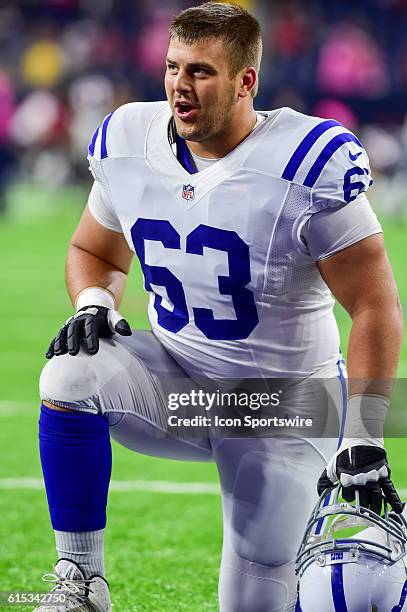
{"x": 123, "y": 486}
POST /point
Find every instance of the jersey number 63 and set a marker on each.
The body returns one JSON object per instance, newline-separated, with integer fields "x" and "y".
{"x": 234, "y": 284}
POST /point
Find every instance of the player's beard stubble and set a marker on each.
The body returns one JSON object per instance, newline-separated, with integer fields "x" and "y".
{"x": 212, "y": 122}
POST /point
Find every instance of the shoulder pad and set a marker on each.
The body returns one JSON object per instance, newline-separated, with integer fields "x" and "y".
{"x": 330, "y": 160}
{"x": 123, "y": 132}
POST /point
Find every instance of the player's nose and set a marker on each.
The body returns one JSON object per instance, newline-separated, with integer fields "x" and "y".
{"x": 182, "y": 82}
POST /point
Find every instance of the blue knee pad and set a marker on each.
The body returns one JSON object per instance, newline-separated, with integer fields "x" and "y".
{"x": 76, "y": 462}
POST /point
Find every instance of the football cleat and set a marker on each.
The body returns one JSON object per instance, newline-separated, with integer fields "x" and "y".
{"x": 73, "y": 593}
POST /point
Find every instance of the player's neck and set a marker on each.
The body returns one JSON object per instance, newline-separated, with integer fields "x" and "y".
{"x": 226, "y": 141}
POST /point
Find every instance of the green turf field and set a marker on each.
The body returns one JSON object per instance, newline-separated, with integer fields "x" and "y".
{"x": 162, "y": 549}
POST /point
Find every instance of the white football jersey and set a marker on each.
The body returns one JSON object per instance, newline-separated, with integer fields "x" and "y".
{"x": 229, "y": 253}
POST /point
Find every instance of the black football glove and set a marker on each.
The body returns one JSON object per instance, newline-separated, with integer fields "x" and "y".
{"x": 362, "y": 468}
{"x": 86, "y": 327}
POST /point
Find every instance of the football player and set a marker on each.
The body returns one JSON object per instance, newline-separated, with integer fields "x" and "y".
{"x": 244, "y": 223}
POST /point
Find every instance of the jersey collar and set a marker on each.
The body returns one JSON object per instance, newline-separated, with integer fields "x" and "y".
{"x": 171, "y": 169}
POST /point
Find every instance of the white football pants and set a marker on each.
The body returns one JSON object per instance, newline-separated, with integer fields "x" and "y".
{"x": 268, "y": 484}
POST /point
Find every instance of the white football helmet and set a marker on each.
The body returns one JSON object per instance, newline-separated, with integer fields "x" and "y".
{"x": 343, "y": 571}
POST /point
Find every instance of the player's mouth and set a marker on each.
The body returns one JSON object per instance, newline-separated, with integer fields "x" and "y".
{"x": 185, "y": 110}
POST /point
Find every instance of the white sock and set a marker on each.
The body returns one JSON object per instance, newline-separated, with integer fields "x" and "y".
{"x": 83, "y": 547}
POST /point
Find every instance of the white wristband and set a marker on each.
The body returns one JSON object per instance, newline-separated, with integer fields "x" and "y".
{"x": 94, "y": 296}
{"x": 365, "y": 419}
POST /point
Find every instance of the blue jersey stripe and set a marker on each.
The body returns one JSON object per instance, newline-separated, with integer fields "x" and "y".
{"x": 298, "y": 605}
{"x": 93, "y": 142}
{"x": 184, "y": 156}
{"x": 338, "y": 593}
{"x": 326, "y": 154}
{"x": 402, "y": 601}
{"x": 303, "y": 148}
{"x": 103, "y": 149}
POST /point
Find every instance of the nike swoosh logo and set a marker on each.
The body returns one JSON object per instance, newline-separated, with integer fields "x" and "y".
{"x": 354, "y": 157}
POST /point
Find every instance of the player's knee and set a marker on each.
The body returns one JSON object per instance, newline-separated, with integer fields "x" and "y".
{"x": 67, "y": 380}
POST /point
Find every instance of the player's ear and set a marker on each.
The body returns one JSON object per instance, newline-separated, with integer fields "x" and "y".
{"x": 248, "y": 79}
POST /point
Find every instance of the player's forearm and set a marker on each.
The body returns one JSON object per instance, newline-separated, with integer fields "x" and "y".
{"x": 83, "y": 269}
{"x": 374, "y": 348}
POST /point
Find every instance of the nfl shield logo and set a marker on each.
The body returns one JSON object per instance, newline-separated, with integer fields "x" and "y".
{"x": 188, "y": 192}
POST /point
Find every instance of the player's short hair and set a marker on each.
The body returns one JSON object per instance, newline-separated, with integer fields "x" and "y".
{"x": 237, "y": 28}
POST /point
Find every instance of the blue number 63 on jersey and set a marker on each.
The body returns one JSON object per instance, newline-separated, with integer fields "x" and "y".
{"x": 233, "y": 285}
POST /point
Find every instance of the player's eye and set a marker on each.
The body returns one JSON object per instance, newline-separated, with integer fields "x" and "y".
{"x": 171, "y": 68}
{"x": 201, "y": 71}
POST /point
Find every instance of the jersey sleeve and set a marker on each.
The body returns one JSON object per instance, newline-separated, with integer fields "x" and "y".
{"x": 329, "y": 231}
{"x": 99, "y": 206}
{"x": 99, "y": 201}
{"x": 339, "y": 215}
{"x": 340, "y": 172}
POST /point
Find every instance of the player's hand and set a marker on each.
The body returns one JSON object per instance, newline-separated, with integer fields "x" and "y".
{"x": 85, "y": 328}
{"x": 363, "y": 468}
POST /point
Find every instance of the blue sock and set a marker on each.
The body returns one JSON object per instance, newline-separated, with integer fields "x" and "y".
{"x": 76, "y": 462}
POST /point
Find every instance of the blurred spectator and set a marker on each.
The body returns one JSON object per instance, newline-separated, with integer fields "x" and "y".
{"x": 290, "y": 34}
{"x": 38, "y": 120}
{"x": 78, "y": 41}
{"x": 42, "y": 63}
{"x": 351, "y": 64}
{"x": 7, "y": 107}
{"x": 151, "y": 46}
{"x": 388, "y": 162}
{"x": 386, "y": 154}
{"x": 39, "y": 129}
{"x": 7, "y": 159}
{"x": 90, "y": 99}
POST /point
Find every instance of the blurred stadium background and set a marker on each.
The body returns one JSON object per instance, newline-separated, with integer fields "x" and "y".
{"x": 64, "y": 65}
